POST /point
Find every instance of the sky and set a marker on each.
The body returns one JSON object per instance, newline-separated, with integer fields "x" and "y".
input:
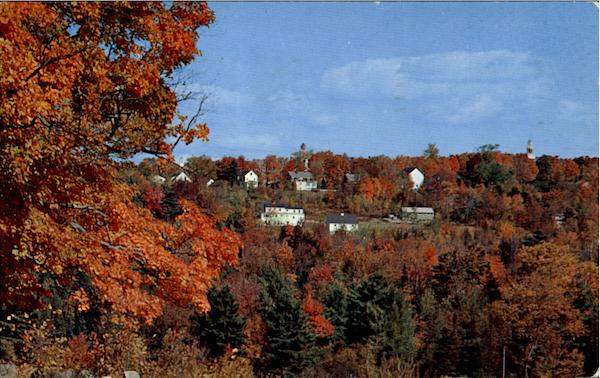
{"x": 368, "y": 79}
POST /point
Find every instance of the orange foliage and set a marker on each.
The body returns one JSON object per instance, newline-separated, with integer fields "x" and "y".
{"x": 322, "y": 327}
{"x": 76, "y": 93}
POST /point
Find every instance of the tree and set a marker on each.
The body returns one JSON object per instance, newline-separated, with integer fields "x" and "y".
{"x": 87, "y": 83}
{"x": 221, "y": 326}
{"x": 431, "y": 152}
{"x": 201, "y": 168}
{"x": 368, "y": 305}
{"x": 290, "y": 341}
{"x": 537, "y": 312}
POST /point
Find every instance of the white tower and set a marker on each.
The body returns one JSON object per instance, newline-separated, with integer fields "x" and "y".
{"x": 530, "y": 154}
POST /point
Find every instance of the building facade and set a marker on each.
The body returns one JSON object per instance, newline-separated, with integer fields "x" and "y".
{"x": 342, "y": 221}
{"x": 415, "y": 176}
{"x": 303, "y": 181}
{"x": 249, "y": 179}
{"x": 418, "y": 213}
{"x": 282, "y": 215}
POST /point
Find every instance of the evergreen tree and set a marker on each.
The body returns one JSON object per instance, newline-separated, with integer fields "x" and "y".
{"x": 398, "y": 338}
{"x": 222, "y": 325}
{"x": 169, "y": 205}
{"x": 368, "y": 305}
{"x": 335, "y": 303}
{"x": 290, "y": 343}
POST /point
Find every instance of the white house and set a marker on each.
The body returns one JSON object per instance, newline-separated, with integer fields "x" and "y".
{"x": 352, "y": 178}
{"x": 416, "y": 177}
{"x": 248, "y": 179}
{"x": 341, "y": 221}
{"x": 158, "y": 179}
{"x": 303, "y": 180}
{"x": 282, "y": 215}
{"x": 181, "y": 177}
{"x": 418, "y": 213}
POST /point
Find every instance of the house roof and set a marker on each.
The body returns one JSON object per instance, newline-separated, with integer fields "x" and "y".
{"x": 305, "y": 175}
{"x": 181, "y": 177}
{"x": 420, "y": 210}
{"x": 342, "y": 218}
{"x": 410, "y": 169}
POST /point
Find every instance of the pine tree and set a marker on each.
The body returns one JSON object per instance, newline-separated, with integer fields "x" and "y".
{"x": 398, "y": 338}
{"x": 290, "y": 341}
{"x": 169, "y": 205}
{"x": 368, "y": 305}
{"x": 222, "y": 325}
{"x": 335, "y": 303}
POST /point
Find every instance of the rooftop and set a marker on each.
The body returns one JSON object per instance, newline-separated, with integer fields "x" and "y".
{"x": 342, "y": 218}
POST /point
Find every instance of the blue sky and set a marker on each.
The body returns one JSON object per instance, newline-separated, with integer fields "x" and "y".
{"x": 389, "y": 78}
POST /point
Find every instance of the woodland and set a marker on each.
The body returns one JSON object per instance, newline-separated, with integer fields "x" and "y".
{"x": 102, "y": 269}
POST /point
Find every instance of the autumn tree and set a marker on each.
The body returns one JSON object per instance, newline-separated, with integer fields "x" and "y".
{"x": 87, "y": 83}
{"x": 537, "y": 312}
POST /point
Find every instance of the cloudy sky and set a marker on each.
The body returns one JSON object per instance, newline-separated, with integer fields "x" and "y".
{"x": 389, "y": 78}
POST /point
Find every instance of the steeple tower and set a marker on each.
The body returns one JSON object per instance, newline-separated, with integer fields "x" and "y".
{"x": 530, "y": 154}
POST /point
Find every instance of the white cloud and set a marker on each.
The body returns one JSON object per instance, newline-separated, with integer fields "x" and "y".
{"x": 458, "y": 87}
{"x": 429, "y": 74}
{"x": 476, "y": 109}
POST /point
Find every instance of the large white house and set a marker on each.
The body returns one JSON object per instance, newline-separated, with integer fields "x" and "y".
{"x": 418, "y": 213}
{"x": 248, "y": 179}
{"x": 303, "y": 180}
{"x": 341, "y": 221}
{"x": 282, "y": 215}
{"x": 416, "y": 177}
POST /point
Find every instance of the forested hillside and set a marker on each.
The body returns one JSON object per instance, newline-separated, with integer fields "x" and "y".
{"x": 108, "y": 265}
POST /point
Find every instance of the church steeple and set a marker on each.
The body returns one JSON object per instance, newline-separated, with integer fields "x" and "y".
{"x": 530, "y": 154}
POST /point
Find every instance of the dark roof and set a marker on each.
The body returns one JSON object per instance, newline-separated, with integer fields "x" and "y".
{"x": 410, "y": 169}
{"x": 342, "y": 218}
{"x": 304, "y": 175}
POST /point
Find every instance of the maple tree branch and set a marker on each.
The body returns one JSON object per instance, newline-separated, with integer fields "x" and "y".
{"x": 28, "y": 125}
{"x": 54, "y": 60}
{"x": 199, "y": 112}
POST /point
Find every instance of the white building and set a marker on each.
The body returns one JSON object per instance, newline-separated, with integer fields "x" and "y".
{"x": 303, "y": 180}
{"x": 342, "y": 221}
{"x": 352, "y": 178}
{"x": 158, "y": 179}
{"x": 530, "y": 153}
{"x": 248, "y": 179}
{"x": 418, "y": 213}
{"x": 181, "y": 177}
{"x": 282, "y": 215}
{"x": 416, "y": 177}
